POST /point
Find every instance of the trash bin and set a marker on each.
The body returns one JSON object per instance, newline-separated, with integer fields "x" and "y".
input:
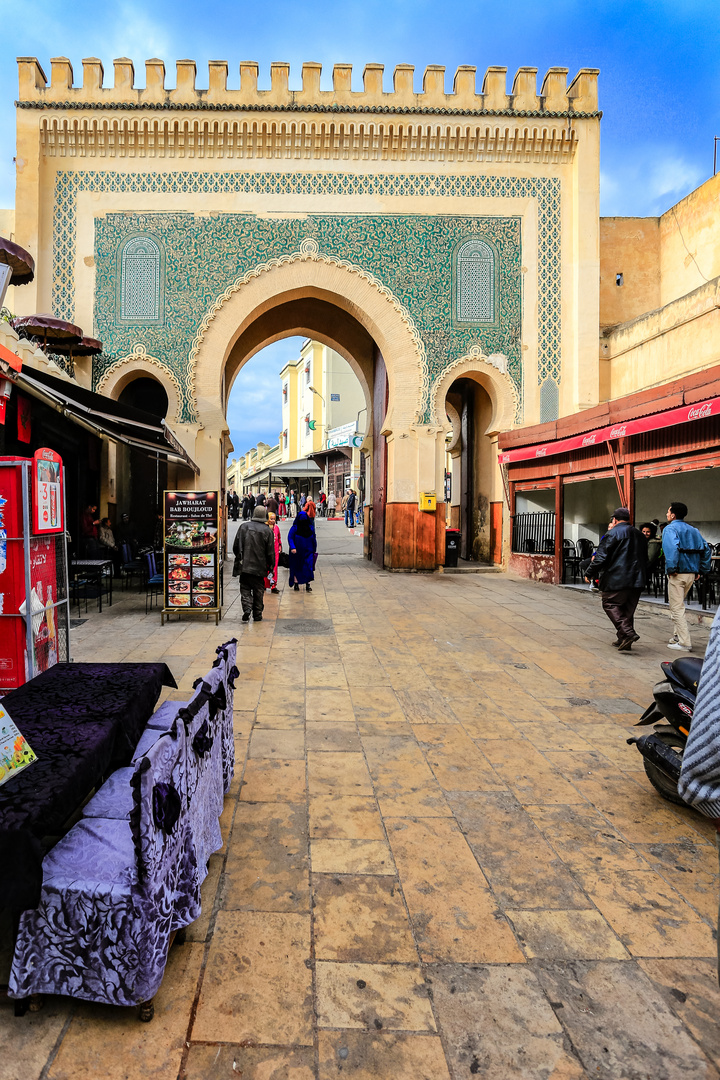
{"x": 452, "y": 546}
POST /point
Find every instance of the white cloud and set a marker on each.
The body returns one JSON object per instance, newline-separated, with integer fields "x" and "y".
{"x": 646, "y": 182}
{"x": 133, "y": 33}
{"x": 255, "y": 408}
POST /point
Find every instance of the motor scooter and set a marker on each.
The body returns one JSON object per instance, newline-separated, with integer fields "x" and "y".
{"x": 672, "y": 712}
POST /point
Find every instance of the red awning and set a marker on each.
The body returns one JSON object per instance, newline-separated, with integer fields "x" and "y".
{"x": 685, "y": 414}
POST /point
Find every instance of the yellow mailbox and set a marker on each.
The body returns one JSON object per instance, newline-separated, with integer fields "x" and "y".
{"x": 428, "y": 500}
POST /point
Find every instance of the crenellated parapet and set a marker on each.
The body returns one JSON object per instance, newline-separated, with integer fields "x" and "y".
{"x": 554, "y": 98}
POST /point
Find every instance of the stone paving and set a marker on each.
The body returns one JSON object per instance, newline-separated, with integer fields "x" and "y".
{"x": 441, "y": 858}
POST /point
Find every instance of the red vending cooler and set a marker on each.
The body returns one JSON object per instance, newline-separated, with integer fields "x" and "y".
{"x": 34, "y": 608}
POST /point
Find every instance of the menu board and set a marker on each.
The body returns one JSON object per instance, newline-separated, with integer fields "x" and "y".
{"x": 191, "y": 551}
{"x": 47, "y": 491}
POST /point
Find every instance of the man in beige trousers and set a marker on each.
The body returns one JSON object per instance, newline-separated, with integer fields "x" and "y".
{"x": 686, "y": 556}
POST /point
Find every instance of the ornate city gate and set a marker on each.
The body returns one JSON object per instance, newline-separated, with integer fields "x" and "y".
{"x": 445, "y": 242}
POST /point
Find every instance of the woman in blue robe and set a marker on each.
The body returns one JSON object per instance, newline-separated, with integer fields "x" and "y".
{"x": 303, "y": 545}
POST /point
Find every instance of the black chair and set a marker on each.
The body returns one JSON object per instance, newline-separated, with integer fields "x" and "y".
{"x": 585, "y": 548}
{"x": 548, "y": 546}
{"x": 129, "y": 567}
{"x": 529, "y": 546}
{"x": 154, "y": 582}
{"x": 571, "y": 560}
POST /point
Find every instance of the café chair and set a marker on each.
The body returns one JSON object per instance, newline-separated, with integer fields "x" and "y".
{"x": 154, "y": 582}
{"x": 204, "y": 780}
{"x": 115, "y": 798}
{"x": 129, "y": 567}
{"x": 108, "y": 906}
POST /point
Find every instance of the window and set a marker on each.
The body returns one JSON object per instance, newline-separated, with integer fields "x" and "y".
{"x": 307, "y": 374}
{"x": 140, "y": 280}
{"x": 285, "y": 439}
{"x": 475, "y": 282}
{"x": 285, "y": 393}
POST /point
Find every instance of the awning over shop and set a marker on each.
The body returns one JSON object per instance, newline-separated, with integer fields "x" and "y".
{"x": 683, "y": 415}
{"x": 302, "y": 469}
{"x": 103, "y": 416}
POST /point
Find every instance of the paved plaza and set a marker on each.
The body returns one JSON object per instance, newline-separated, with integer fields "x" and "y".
{"x": 441, "y": 858}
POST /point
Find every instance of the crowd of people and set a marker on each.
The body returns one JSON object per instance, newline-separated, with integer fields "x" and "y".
{"x": 626, "y": 555}
{"x": 287, "y": 504}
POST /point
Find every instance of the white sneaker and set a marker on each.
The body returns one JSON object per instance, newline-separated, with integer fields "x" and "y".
{"x": 678, "y": 647}
{"x": 673, "y": 640}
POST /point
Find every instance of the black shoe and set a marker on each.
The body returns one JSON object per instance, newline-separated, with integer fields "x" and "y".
{"x": 634, "y": 636}
{"x": 626, "y": 644}
{"x": 296, "y": 588}
{"x": 246, "y": 616}
{"x": 308, "y": 589}
{"x": 616, "y": 644}
{"x": 257, "y": 618}
{"x": 274, "y": 590}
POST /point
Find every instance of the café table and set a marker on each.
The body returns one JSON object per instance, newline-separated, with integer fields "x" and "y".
{"x": 98, "y": 570}
{"x": 82, "y": 721}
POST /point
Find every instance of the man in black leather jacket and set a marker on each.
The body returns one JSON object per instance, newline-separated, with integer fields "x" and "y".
{"x": 254, "y": 551}
{"x": 620, "y": 563}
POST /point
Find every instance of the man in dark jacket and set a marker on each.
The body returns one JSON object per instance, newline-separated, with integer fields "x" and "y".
{"x": 254, "y": 551}
{"x": 620, "y": 563}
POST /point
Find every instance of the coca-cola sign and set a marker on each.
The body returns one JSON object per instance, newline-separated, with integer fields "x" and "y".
{"x": 618, "y": 432}
{"x": 589, "y": 440}
{"x": 700, "y": 413}
{"x": 541, "y": 452}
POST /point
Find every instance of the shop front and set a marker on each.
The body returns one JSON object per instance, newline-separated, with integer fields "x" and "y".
{"x": 642, "y": 451}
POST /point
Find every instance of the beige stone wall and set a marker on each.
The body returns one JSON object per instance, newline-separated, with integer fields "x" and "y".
{"x": 664, "y": 322}
{"x": 690, "y": 242}
{"x": 675, "y": 340}
{"x": 631, "y": 247}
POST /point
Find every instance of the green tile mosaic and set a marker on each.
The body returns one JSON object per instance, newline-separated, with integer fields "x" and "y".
{"x": 412, "y": 255}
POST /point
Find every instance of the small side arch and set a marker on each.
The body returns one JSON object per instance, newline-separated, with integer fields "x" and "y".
{"x": 491, "y": 373}
{"x": 139, "y": 365}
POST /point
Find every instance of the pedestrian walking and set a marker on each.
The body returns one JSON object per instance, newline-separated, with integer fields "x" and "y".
{"x": 310, "y": 509}
{"x": 271, "y": 581}
{"x": 350, "y": 509}
{"x": 322, "y": 504}
{"x": 620, "y": 563}
{"x": 235, "y": 506}
{"x": 272, "y": 505}
{"x": 260, "y": 500}
{"x": 699, "y": 782}
{"x": 686, "y": 556}
{"x": 282, "y": 505}
{"x": 303, "y": 549}
{"x": 292, "y": 505}
{"x": 254, "y": 551}
{"x": 331, "y": 504}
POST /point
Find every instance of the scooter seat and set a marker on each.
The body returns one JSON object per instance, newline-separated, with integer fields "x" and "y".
{"x": 687, "y": 671}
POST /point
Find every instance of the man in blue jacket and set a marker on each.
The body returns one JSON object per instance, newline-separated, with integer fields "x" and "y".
{"x": 686, "y": 556}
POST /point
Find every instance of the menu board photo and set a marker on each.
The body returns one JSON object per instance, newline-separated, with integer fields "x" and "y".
{"x": 191, "y": 530}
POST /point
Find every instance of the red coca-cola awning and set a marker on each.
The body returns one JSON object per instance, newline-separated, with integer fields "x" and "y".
{"x": 683, "y": 415}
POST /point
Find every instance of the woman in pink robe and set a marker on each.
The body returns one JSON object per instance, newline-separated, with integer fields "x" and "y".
{"x": 271, "y": 580}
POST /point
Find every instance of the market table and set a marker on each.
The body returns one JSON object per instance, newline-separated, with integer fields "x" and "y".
{"x": 94, "y": 568}
{"x": 82, "y": 721}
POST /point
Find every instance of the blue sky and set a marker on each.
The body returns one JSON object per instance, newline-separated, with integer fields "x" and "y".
{"x": 659, "y": 80}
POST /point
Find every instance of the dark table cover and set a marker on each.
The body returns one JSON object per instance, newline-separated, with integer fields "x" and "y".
{"x": 82, "y": 721}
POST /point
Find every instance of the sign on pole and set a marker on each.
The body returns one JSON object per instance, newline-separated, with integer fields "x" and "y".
{"x": 47, "y": 491}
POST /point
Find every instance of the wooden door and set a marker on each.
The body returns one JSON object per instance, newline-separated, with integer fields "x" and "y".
{"x": 379, "y": 467}
{"x": 496, "y": 520}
